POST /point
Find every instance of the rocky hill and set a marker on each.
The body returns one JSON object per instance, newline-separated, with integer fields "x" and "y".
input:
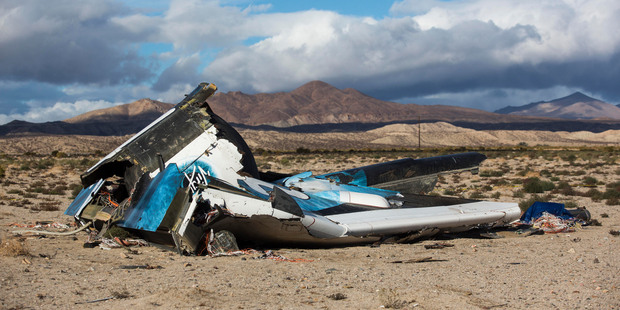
{"x": 575, "y": 106}
{"x": 320, "y": 103}
{"x": 314, "y": 107}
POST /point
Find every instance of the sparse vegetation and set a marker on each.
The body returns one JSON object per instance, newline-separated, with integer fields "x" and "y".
{"x": 46, "y": 206}
{"x": 591, "y": 181}
{"x": 390, "y": 299}
{"x": 535, "y": 185}
{"x": 14, "y": 247}
{"x": 491, "y": 173}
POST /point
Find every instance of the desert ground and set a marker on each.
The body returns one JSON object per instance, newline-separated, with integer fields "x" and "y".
{"x": 575, "y": 270}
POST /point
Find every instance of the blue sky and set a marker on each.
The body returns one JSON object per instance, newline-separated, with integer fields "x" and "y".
{"x": 68, "y": 57}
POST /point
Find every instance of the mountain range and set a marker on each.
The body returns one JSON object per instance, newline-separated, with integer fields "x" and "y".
{"x": 318, "y": 107}
{"x": 574, "y": 106}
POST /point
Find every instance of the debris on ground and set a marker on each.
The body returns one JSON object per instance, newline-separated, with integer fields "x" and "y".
{"x": 438, "y": 245}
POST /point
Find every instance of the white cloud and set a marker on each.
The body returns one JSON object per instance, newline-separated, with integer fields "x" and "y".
{"x": 59, "y": 111}
{"x": 449, "y": 47}
{"x": 427, "y": 47}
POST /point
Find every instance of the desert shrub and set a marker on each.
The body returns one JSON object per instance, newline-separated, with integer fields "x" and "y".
{"x": 491, "y": 173}
{"x": 615, "y": 185}
{"x": 20, "y": 202}
{"x": 545, "y": 173}
{"x": 570, "y": 158}
{"x": 449, "y": 192}
{"x": 518, "y": 194}
{"x": 498, "y": 182}
{"x": 571, "y": 204}
{"x": 302, "y": 150}
{"x": 554, "y": 179}
{"x": 2, "y": 172}
{"x": 594, "y": 194}
{"x": 535, "y": 185}
{"x": 477, "y": 195}
{"x": 612, "y": 202}
{"x": 590, "y": 181}
{"x": 496, "y": 195}
{"x": 57, "y": 190}
{"x": 565, "y": 189}
{"x": 611, "y": 193}
{"x": 44, "y": 164}
{"x": 13, "y": 247}
{"x": 579, "y": 172}
{"x": 523, "y": 172}
{"x": 15, "y": 191}
{"x": 390, "y": 299}
{"x": 525, "y": 204}
{"x": 46, "y": 206}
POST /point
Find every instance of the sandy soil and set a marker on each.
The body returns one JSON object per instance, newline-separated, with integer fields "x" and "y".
{"x": 439, "y": 134}
{"x": 578, "y": 270}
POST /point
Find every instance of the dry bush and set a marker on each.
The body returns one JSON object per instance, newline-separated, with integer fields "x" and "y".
{"x": 46, "y": 206}
{"x": 13, "y": 247}
{"x": 390, "y": 299}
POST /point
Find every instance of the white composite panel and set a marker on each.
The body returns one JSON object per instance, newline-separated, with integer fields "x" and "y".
{"x": 403, "y": 220}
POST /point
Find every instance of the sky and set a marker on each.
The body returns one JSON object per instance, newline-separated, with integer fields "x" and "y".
{"x": 62, "y": 58}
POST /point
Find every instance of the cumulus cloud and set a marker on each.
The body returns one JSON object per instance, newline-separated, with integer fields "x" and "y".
{"x": 66, "y": 41}
{"x": 425, "y": 50}
{"x": 183, "y": 71}
{"x": 59, "y": 111}
{"x": 449, "y": 47}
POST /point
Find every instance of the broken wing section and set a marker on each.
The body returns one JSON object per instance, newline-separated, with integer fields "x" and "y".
{"x": 407, "y": 175}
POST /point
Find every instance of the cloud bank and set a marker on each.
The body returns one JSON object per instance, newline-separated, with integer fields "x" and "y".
{"x": 485, "y": 54}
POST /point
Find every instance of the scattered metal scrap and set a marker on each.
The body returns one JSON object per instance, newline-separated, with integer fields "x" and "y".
{"x": 190, "y": 173}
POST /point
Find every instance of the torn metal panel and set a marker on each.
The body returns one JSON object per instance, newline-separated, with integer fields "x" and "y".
{"x": 189, "y": 176}
{"x": 84, "y": 198}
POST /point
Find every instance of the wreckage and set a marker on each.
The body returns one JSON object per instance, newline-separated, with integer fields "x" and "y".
{"x": 189, "y": 174}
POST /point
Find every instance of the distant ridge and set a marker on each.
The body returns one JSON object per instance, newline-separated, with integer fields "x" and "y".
{"x": 137, "y": 110}
{"x": 320, "y": 103}
{"x": 313, "y": 107}
{"x": 115, "y": 121}
{"x": 574, "y": 106}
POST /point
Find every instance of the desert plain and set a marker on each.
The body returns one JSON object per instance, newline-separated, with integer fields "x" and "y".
{"x": 574, "y": 270}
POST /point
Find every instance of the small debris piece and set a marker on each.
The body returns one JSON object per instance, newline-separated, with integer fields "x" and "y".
{"x": 95, "y": 300}
{"x": 418, "y": 260}
{"x": 438, "y": 245}
{"x": 614, "y": 232}
{"x": 594, "y": 222}
{"x": 90, "y": 245}
{"x": 491, "y": 235}
{"x": 147, "y": 266}
{"x": 337, "y": 296}
{"x": 529, "y": 231}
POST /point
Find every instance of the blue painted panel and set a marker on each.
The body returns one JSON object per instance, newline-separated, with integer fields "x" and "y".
{"x": 148, "y": 213}
{"x": 344, "y": 177}
{"x": 83, "y": 198}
